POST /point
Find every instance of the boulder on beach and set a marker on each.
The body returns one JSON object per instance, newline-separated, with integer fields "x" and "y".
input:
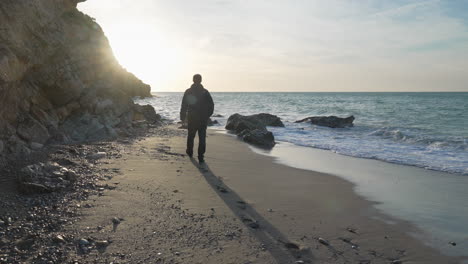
{"x": 252, "y": 129}
{"x": 329, "y": 121}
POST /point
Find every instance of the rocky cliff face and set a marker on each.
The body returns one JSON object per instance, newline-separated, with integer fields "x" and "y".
{"x": 59, "y": 80}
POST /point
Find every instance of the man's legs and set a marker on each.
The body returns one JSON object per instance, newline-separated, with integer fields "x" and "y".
{"x": 192, "y": 130}
{"x": 201, "y": 143}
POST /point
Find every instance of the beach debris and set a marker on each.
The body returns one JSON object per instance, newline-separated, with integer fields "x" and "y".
{"x": 270, "y": 210}
{"x": 323, "y": 241}
{"x": 299, "y": 262}
{"x": 453, "y": 243}
{"x": 397, "y": 261}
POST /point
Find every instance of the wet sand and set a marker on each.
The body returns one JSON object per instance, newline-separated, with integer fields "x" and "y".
{"x": 239, "y": 207}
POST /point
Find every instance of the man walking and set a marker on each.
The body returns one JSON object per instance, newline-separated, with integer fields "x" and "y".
{"x": 197, "y": 107}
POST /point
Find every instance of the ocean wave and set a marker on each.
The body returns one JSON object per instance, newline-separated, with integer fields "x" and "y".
{"x": 383, "y": 130}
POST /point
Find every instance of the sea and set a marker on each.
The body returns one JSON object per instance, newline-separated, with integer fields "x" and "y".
{"x": 427, "y": 130}
{"x": 407, "y": 152}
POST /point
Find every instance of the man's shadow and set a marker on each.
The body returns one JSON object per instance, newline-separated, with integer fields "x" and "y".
{"x": 271, "y": 238}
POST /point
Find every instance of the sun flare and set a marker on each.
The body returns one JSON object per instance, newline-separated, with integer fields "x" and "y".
{"x": 142, "y": 51}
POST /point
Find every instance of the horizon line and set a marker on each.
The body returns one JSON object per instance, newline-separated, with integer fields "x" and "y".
{"x": 319, "y": 92}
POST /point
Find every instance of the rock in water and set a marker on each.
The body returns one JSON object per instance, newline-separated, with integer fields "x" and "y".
{"x": 329, "y": 121}
{"x": 260, "y": 137}
{"x": 212, "y": 122}
{"x": 239, "y": 122}
{"x": 252, "y": 129}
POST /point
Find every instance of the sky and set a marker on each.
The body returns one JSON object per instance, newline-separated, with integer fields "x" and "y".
{"x": 290, "y": 45}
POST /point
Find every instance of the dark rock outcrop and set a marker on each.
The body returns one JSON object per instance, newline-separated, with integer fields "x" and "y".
{"x": 329, "y": 121}
{"x": 146, "y": 112}
{"x": 238, "y": 123}
{"x": 212, "y": 122}
{"x": 260, "y": 137}
{"x": 252, "y": 129}
{"x": 59, "y": 80}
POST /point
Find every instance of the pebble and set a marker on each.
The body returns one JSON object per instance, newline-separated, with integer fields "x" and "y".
{"x": 83, "y": 242}
{"x": 453, "y": 243}
{"x": 102, "y": 244}
{"x": 59, "y": 239}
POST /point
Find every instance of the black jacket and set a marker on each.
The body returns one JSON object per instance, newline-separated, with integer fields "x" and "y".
{"x": 197, "y": 104}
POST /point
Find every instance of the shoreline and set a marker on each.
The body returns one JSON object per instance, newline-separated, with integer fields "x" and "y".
{"x": 395, "y": 189}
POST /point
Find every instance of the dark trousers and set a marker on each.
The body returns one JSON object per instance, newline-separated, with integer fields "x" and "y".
{"x": 193, "y": 128}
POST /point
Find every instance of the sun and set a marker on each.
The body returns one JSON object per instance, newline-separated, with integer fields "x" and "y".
{"x": 144, "y": 52}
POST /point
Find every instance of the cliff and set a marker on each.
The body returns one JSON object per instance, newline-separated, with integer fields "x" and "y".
{"x": 59, "y": 80}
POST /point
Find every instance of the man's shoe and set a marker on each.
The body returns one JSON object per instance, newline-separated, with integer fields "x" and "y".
{"x": 201, "y": 160}
{"x": 189, "y": 153}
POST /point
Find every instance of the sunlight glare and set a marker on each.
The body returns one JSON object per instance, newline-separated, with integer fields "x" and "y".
{"x": 142, "y": 51}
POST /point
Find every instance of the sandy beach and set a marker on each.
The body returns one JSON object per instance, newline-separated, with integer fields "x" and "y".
{"x": 239, "y": 207}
